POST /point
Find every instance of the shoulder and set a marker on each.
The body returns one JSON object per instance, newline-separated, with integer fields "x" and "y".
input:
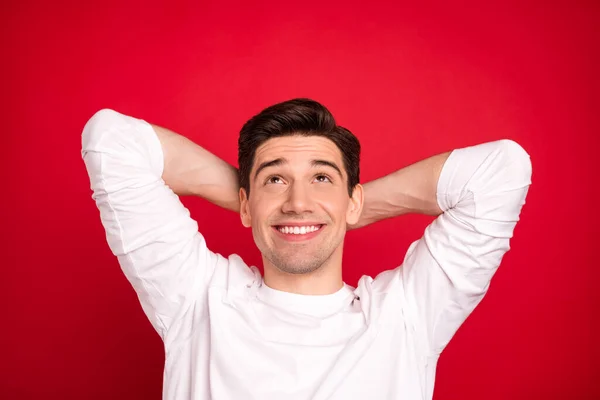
{"x": 232, "y": 274}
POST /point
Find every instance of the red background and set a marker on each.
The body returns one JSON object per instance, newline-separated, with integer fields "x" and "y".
{"x": 409, "y": 80}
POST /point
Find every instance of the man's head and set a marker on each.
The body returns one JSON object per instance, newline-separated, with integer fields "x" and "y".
{"x": 299, "y": 174}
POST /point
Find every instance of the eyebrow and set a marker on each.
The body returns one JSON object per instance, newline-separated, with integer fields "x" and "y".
{"x": 273, "y": 163}
{"x": 313, "y": 163}
{"x": 325, "y": 163}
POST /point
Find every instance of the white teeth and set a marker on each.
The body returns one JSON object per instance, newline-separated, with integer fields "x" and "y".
{"x": 298, "y": 230}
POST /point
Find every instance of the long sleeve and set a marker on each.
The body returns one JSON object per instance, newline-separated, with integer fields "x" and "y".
{"x": 447, "y": 272}
{"x": 157, "y": 243}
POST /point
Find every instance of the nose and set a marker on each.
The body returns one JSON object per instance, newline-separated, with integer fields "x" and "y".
{"x": 298, "y": 200}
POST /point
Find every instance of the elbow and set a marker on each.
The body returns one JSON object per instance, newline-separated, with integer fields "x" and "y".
{"x": 517, "y": 158}
{"x": 101, "y": 122}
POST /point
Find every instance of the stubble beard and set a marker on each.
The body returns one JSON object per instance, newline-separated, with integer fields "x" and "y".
{"x": 298, "y": 260}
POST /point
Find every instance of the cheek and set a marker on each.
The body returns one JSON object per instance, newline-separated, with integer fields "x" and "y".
{"x": 261, "y": 207}
{"x": 336, "y": 206}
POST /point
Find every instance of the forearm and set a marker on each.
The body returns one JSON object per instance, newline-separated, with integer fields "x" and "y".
{"x": 409, "y": 190}
{"x": 190, "y": 169}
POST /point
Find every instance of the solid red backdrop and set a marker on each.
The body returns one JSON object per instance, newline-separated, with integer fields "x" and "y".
{"x": 409, "y": 80}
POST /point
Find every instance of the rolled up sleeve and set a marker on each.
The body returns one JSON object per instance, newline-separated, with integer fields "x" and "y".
{"x": 157, "y": 243}
{"x": 446, "y": 273}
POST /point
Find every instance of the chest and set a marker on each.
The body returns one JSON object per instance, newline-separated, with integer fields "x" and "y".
{"x": 265, "y": 353}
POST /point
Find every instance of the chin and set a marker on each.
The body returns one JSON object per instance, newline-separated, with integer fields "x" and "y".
{"x": 296, "y": 268}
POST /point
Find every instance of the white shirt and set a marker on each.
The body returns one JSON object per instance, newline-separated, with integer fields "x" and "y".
{"x": 229, "y": 336}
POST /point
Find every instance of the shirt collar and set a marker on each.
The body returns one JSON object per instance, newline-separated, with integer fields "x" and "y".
{"x": 313, "y": 305}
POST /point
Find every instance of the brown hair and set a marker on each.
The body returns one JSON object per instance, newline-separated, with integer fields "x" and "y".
{"x": 296, "y": 117}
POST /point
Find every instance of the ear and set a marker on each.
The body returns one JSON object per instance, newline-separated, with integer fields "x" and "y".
{"x": 355, "y": 206}
{"x": 245, "y": 209}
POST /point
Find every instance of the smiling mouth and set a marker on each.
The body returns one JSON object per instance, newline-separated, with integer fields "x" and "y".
{"x": 298, "y": 230}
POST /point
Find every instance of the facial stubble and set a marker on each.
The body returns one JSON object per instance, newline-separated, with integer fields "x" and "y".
{"x": 297, "y": 259}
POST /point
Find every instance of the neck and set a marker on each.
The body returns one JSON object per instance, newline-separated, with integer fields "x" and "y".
{"x": 326, "y": 279}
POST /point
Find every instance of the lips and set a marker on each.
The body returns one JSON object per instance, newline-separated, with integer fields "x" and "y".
{"x": 298, "y": 229}
{"x": 298, "y": 232}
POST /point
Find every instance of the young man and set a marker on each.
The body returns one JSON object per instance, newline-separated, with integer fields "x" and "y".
{"x": 299, "y": 332}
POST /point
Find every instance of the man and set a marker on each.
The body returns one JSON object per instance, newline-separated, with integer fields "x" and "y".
{"x": 299, "y": 332}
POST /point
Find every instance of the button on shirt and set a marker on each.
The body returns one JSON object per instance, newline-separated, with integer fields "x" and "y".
{"x": 229, "y": 336}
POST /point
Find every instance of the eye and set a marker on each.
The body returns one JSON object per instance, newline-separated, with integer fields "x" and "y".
{"x": 322, "y": 178}
{"x": 274, "y": 179}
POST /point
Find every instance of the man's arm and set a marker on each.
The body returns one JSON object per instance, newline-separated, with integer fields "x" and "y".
{"x": 409, "y": 190}
{"x": 156, "y": 241}
{"x": 479, "y": 192}
{"x": 189, "y": 169}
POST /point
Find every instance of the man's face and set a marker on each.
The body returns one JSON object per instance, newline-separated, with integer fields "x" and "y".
{"x": 299, "y": 203}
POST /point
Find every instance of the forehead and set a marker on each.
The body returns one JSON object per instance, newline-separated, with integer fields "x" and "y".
{"x": 298, "y": 148}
